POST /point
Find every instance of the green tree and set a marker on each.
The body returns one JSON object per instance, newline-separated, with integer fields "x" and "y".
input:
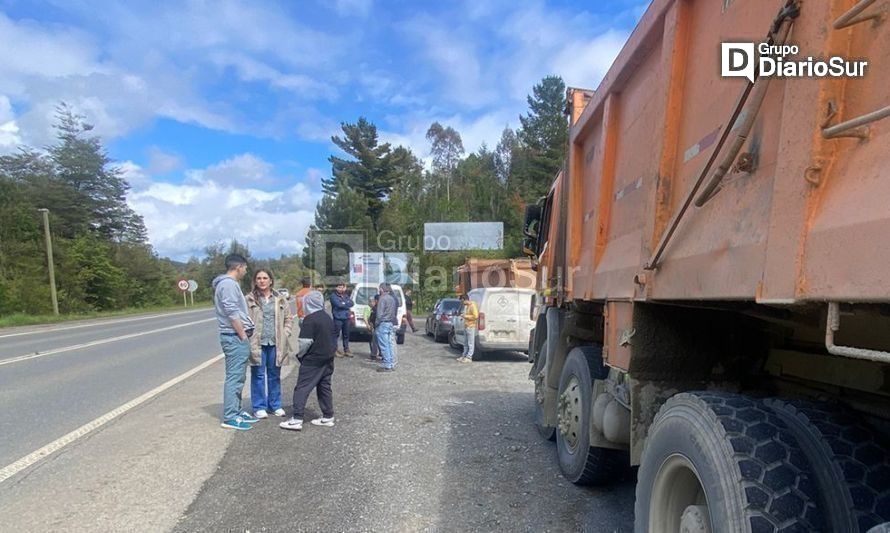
{"x": 544, "y": 134}
{"x": 446, "y": 148}
{"x": 370, "y": 171}
{"x": 89, "y": 280}
{"x": 82, "y": 164}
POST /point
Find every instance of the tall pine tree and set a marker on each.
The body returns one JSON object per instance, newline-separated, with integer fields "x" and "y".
{"x": 370, "y": 171}
{"x": 82, "y": 164}
{"x": 544, "y": 135}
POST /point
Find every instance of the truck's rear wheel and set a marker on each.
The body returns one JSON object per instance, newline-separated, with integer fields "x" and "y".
{"x": 850, "y": 465}
{"x": 547, "y": 432}
{"x": 720, "y": 461}
{"x": 579, "y": 462}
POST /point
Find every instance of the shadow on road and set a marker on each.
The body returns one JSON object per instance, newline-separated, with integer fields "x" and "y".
{"x": 502, "y": 476}
{"x": 435, "y": 446}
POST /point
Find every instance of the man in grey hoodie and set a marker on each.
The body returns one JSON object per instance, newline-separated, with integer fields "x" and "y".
{"x": 235, "y": 329}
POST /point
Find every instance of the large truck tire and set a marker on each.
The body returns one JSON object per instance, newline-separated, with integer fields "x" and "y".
{"x": 718, "y": 461}
{"x": 546, "y": 432}
{"x": 851, "y": 466}
{"x": 580, "y": 463}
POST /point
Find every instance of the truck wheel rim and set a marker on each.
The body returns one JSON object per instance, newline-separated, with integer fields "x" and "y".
{"x": 678, "y": 501}
{"x": 570, "y": 413}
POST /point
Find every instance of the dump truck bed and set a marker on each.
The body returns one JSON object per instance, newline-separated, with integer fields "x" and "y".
{"x": 801, "y": 217}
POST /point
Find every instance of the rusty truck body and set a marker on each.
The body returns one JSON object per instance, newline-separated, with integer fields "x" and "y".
{"x": 714, "y": 274}
{"x": 475, "y": 273}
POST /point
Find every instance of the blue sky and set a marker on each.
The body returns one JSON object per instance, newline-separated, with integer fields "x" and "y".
{"x": 221, "y": 113}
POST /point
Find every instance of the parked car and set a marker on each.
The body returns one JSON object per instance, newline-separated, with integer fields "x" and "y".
{"x": 361, "y": 295}
{"x": 504, "y": 320}
{"x": 438, "y": 322}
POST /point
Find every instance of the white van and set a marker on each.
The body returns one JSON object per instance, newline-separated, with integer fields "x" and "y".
{"x": 504, "y": 319}
{"x": 361, "y": 296}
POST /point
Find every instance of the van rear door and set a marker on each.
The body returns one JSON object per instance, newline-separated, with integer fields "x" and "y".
{"x": 502, "y": 321}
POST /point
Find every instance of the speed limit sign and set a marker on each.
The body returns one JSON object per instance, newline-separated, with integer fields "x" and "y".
{"x": 183, "y": 285}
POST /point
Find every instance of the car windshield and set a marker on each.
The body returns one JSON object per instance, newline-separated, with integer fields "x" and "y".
{"x": 449, "y": 306}
{"x": 363, "y": 295}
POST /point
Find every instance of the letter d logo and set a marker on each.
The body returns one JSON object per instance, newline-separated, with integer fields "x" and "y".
{"x": 737, "y": 60}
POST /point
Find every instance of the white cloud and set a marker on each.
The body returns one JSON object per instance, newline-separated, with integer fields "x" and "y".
{"x": 135, "y": 175}
{"x": 252, "y": 70}
{"x": 354, "y": 8}
{"x": 243, "y": 169}
{"x": 143, "y": 62}
{"x": 183, "y": 219}
{"x": 42, "y": 65}
{"x": 33, "y": 50}
{"x": 9, "y": 129}
{"x": 161, "y": 162}
{"x": 584, "y": 63}
{"x": 453, "y": 53}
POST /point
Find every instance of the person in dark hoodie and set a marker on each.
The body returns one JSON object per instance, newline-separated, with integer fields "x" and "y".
{"x": 235, "y": 329}
{"x": 316, "y": 355}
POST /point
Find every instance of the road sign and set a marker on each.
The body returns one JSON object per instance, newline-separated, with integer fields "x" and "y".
{"x": 183, "y": 285}
{"x": 193, "y": 285}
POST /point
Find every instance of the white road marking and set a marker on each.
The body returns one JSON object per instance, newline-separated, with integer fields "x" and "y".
{"x": 102, "y": 323}
{"x": 97, "y": 342}
{"x": 51, "y": 448}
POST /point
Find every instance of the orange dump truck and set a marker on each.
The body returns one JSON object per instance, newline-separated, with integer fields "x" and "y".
{"x": 475, "y": 273}
{"x": 714, "y": 271}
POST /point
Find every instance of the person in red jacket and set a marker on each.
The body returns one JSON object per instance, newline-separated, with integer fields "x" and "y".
{"x": 306, "y": 287}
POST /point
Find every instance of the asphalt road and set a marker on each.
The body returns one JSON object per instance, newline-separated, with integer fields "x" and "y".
{"x": 70, "y": 385}
{"x": 435, "y": 446}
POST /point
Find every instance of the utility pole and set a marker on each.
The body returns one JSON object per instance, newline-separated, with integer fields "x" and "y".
{"x": 49, "y": 260}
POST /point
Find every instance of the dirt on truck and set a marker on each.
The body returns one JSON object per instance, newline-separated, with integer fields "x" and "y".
{"x": 477, "y": 273}
{"x": 713, "y": 312}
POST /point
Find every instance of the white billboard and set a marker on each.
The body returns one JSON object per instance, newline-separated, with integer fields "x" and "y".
{"x": 449, "y": 236}
{"x": 375, "y": 267}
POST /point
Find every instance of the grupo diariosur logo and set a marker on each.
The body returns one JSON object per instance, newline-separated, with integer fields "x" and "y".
{"x": 747, "y": 60}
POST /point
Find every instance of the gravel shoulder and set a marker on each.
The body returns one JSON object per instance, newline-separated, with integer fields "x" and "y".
{"x": 434, "y": 446}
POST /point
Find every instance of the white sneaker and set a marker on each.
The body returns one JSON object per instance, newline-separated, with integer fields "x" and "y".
{"x": 327, "y": 422}
{"x": 294, "y": 424}
{"x": 261, "y": 414}
{"x": 279, "y": 412}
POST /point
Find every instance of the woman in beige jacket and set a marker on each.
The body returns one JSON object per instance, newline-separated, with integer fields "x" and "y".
{"x": 270, "y": 344}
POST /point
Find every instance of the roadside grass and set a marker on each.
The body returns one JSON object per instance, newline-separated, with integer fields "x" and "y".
{"x": 21, "y": 319}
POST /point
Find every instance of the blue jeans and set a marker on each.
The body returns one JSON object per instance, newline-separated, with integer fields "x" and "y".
{"x": 469, "y": 342}
{"x": 341, "y": 327}
{"x": 237, "y": 353}
{"x": 384, "y": 342}
{"x": 265, "y": 381}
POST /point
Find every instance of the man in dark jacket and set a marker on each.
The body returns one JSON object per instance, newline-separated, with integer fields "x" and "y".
{"x": 316, "y": 355}
{"x": 341, "y": 303}
{"x": 385, "y": 322}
